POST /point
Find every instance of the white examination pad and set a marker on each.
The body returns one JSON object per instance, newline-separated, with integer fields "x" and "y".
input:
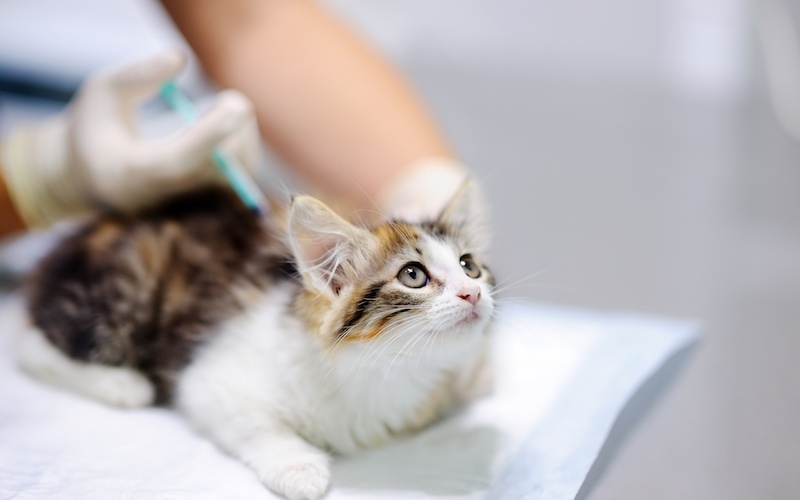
{"x": 562, "y": 377}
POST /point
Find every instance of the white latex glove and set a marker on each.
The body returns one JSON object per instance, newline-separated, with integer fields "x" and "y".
{"x": 90, "y": 156}
{"x": 423, "y": 191}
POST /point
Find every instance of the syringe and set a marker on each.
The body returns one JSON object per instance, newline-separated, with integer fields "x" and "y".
{"x": 237, "y": 177}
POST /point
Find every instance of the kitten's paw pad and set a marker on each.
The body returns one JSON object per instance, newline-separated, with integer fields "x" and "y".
{"x": 302, "y": 481}
{"x": 123, "y": 388}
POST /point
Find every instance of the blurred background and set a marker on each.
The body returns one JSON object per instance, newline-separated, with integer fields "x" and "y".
{"x": 637, "y": 155}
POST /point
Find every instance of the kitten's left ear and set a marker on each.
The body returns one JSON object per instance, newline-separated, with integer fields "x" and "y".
{"x": 465, "y": 215}
{"x": 328, "y": 249}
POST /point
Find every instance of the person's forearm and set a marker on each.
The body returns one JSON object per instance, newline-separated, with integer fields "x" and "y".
{"x": 10, "y": 221}
{"x": 328, "y": 105}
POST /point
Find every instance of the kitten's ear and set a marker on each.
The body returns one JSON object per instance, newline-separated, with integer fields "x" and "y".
{"x": 466, "y": 215}
{"x": 328, "y": 249}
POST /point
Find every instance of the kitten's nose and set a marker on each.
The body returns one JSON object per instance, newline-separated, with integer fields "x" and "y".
{"x": 470, "y": 294}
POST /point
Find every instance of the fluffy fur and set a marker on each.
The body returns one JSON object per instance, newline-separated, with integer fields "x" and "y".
{"x": 281, "y": 344}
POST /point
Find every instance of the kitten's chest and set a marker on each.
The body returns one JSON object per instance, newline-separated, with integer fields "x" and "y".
{"x": 369, "y": 410}
{"x": 267, "y": 358}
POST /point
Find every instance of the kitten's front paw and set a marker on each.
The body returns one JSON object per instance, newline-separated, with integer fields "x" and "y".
{"x": 301, "y": 480}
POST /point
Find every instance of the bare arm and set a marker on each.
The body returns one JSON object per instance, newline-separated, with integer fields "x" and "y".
{"x": 326, "y": 103}
{"x": 10, "y": 221}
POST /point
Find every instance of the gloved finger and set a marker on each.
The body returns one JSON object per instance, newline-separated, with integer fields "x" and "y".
{"x": 143, "y": 78}
{"x": 245, "y": 145}
{"x": 180, "y": 156}
{"x": 106, "y": 99}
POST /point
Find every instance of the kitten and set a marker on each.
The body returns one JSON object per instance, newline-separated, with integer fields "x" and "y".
{"x": 280, "y": 343}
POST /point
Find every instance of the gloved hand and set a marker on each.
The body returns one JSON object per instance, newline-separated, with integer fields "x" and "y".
{"x": 90, "y": 156}
{"x": 423, "y": 191}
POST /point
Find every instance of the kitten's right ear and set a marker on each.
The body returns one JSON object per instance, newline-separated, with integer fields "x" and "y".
{"x": 328, "y": 249}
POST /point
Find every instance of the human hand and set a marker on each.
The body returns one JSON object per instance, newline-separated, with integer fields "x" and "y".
{"x": 90, "y": 156}
{"x": 423, "y": 191}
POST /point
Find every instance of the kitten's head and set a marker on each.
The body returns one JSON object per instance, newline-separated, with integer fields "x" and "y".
{"x": 406, "y": 288}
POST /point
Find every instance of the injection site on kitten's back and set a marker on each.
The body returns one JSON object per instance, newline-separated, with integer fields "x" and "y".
{"x": 281, "y": 342}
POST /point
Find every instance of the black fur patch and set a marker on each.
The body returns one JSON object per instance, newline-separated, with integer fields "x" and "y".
{"x": 438, "y": 229}
{"x": 144, "y": 292}
{"x": 361, "y": 308}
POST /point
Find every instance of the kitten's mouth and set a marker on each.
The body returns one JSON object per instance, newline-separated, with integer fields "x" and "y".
{"x": 469, "y": 319}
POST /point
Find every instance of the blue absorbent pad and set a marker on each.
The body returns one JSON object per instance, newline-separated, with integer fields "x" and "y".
{"x": 562, "y": 376}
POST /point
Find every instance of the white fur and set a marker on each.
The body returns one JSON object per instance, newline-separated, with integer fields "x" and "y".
{"x": 275, "y": 395}
{"x": 267, "y": 392}
{"x": 114, "y": 386}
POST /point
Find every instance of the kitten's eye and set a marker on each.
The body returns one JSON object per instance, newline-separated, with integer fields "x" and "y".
{"x": 471, "y": 269}
{"x": 413, "y": 275}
